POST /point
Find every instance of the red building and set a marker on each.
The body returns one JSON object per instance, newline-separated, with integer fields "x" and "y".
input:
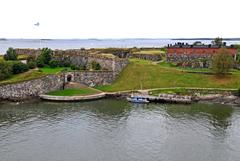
{"x": 195, "y": 54}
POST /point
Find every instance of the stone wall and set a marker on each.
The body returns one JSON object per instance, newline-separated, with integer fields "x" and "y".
{"x": 191, "y": 60}
{"x": 36, "y": 87}
{"x": 82, "y": 57}
{"x": 21, "y": 51}
{"x": 32, "y": 88}
{"x": 91, "y": 78}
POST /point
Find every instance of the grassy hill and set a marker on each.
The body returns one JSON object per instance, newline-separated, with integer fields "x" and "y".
{"x": 152, "y": 75}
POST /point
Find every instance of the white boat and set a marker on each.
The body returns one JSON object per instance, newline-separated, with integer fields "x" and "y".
{"x": 137, "y": 99}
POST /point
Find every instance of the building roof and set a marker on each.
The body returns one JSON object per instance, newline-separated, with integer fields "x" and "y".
{"x": 198, "y": 46}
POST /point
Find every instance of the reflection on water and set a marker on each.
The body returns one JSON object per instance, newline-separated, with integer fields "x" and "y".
{"x": 117, "y": 130}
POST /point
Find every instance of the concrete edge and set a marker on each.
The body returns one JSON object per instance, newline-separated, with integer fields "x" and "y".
{"x": 72, "y": 98}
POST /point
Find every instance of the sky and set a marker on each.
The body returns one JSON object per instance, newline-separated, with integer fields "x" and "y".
{"x": 69, "y": 19}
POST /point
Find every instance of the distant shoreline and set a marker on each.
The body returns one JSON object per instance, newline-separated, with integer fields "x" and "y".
{"x": 99, "y": 39}
{"x": 224, "y": 39}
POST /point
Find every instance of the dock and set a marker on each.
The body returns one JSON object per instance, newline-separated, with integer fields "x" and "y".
{"x": 169, "y": 98}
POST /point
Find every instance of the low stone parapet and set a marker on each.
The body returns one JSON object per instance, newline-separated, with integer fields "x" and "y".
{"x": 72, "y": 98}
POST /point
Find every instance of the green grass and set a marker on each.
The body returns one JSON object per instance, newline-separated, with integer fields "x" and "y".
{"x": 32, "y": 74}
{"x": 74, "y": 92}
{"x": 190, "y": 91}
{"x": 180, "y": 91}
{"x": 149, "y": 52}
{"x": 20, "y": 57}
{"x": 48, "y": 70}
{"x": 159, "y": 76}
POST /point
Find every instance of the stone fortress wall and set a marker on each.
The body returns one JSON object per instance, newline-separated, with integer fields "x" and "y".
{"x": 31, "y": 88}
{"x": 82, "y": 57}
{"x": 36, "y": 87}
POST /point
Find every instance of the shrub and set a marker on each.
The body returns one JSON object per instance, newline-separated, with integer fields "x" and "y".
{"x": 19, "y": 67}
{"x": 31, "y": 58}
{"x": 10, "y": 55}
{"x": 31, "y": 64}
{"x": 66, "y": 62}
{"x": 5, "y": 70}
{"x": 54, "y": 63}
{"x": 73, "y": 67}
{"x": 46, "y": 55}
{"x": 40, "y": 62}
{"x": 222, "y": 62}
{"x": 95, "y": 65}
{"x": 82, "y": 67}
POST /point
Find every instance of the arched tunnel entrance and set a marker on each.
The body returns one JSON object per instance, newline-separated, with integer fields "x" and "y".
{"x": 69, "y": 78}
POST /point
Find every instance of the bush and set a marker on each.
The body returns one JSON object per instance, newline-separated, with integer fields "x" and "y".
{"x": 31, "y": 58}
{"x": 5, "y": 70}
{"x": 10, "y": 55}
{"x": 222, "y": 62}
{"x": 46, "y": 55}
{"x": 95, "y": 65}
{"x": 32, "y": 64}
{"x": 65, "y": 62}
{"x": 73, "y": 67}
{"x": 19, "y": 67}
{"x": 40, "y": 62}
{"x": 54, "y": 63}
{"x": 82, "y": 67}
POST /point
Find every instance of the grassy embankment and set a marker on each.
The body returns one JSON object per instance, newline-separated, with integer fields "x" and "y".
{"x": 153, "y": 52}
{"x": 163, "y": 75}
{"x": 32, "y": 74}
{"x": 48, "y": 70}
{"x": 75, "y": 92}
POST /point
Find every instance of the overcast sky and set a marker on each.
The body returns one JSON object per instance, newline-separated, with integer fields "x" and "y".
{"x": 119, "y": 18}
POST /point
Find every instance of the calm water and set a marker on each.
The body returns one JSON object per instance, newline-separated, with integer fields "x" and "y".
{"x": 91, "y": 43}
{"x": 115, "y": 130}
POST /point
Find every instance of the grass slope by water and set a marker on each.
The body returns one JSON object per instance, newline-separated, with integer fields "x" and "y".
{"x": 32, "y": 74}
{"x": 161, "y": 76}
{"x": 74, "y": 92}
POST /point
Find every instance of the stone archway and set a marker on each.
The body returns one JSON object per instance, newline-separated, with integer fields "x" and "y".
{"x": 69, "y": 78}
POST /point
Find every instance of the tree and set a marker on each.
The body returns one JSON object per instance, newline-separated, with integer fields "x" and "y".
{"x": 46, "y": 55}
{"x": 197, "y": 43}
{"x": 238, "y": 54}
{"x": 31, "y": 64}
{"x": 19, "y": 67}
{"x": 11, "y": 54}
{"x": 40, "y": 62}
{"x": 222, "y": 62}
{"x": 54, "y": 63}
{"x": 5, "y": 70}
{"x": 217, "y": 41}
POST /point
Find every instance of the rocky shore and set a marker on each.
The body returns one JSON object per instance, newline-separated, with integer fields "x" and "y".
{"x": 219, "y": 98}
{"x": 223, "y": 98}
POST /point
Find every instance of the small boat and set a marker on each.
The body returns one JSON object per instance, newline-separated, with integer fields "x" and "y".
{"x": 137, "y": 99}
